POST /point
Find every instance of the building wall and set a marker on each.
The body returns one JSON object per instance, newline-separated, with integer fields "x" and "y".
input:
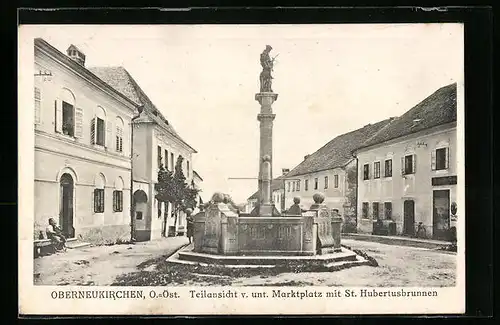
{"x": 56, "y": 154}
{"x": 334, "y": 196}
{"x": 398, "y": 188}
{"x": 147, "y": 138}
{"x": 278, "y": 196}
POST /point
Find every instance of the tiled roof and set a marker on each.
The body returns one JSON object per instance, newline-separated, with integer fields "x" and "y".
{"x": 276, "y": 184}
{"x": 437, "y": 109}
{"x": 121, "y": 80}
{"x": 337, "y": 152}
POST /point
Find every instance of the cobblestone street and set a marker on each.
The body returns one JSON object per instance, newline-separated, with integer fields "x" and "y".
{"x": 144, "y": 264}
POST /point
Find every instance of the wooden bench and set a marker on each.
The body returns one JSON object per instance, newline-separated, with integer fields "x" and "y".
{"x": 42, "y": 246}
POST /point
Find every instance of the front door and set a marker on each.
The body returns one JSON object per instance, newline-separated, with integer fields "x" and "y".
{"x": 441, "y": 214}
{"x": 409, "y": 217}
{"x": 66, "y": 206}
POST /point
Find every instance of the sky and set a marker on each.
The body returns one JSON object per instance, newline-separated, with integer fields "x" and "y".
{"x": 330, "y": 79}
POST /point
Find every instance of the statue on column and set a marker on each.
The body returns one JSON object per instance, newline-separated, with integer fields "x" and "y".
{"x": 267, "y": 67}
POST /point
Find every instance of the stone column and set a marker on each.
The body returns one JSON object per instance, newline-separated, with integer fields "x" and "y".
{"x": 266, "y": 118}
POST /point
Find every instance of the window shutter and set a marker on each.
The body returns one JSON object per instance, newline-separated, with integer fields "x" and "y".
{"x": 78, "y": 122}
{"x": 59, "y": 115}
{"x": 38, "y": 99}
{"x": 433, "y": 160}
{"x": 93, "y": 202}
{"x": 447, "y": 161}
{"x": 402, "y": 165}
{"x": 414, "y": 163}
{"x": 109, "y": 135}
{"x": 92, "y": 131}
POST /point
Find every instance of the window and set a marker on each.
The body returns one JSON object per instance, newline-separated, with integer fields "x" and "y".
{"x": 159, "y": 156}
{"x": 298, "y": 185}
{"x": 408, "y": 164}
{"x": 68, "y": 119}
{"x": 326, "y": 182}
{"x": 187, "y": 168}
{"x": 288, "y": 186}
{"x": 388, "y": 210}
{"x": 166, "y": 159}
{"x": 336, "y": 181}
{"x": 119, "y": 139}
{"x": 138, "y": 215}
{"x": 376, "y": 169}
{"x": 117, "y": 201}
{"x": 375, "y": 207}
{"x": 38, "y": 99}
{"x": 366, "y": 207}
{"x": 366, "y": 172}
{"x": 100, "y": 129}
{"x": 315, "y": 183}
{"x": 440, "y": 159}
{"x": 99, "y": 200}
{"x": 306, "y": 185}
{"x": 388, "y": 168}
{"x": 172, "y": 161}
{"x": 293, "y": 186}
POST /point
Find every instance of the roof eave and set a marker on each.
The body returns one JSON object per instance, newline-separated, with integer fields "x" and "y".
{"x": 43, "y": 44}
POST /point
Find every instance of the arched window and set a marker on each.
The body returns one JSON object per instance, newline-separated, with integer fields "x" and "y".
{"x": 119, "y": 134}
{"x": 118, "y": 195}
{"x": 98, "y": 127}
{"x": 65, "y": 113}
{"x": 99, "y": 184}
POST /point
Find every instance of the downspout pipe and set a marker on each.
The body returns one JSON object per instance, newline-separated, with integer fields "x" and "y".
{"x": 132, "y": 225}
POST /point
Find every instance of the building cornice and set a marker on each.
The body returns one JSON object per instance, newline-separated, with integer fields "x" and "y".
{"x": 64, "y": 140}
{"x": 83, "y": 73}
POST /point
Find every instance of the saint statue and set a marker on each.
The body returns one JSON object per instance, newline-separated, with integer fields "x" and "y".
{"x": 267, "y": 67}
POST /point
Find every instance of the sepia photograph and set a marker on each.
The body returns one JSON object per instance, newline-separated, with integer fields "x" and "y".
{"x": 182, "y": 168}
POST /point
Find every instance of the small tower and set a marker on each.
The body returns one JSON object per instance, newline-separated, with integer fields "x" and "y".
{"x": 75, "y": 54}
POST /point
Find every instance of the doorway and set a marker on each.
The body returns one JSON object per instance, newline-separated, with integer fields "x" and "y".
{"x": 66, "y": 205}
{"x": 409, "y": 217}
{"x": 441, "y": 214}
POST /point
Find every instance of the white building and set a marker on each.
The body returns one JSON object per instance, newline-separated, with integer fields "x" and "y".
{"x": 82, "y": 148}
{"x": 330, "y": 170}
{"x": 408, "y": 171}
{"x": 155, "y": 143}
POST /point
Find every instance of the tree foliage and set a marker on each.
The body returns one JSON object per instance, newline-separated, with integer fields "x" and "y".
{"x": 173, "y": 188}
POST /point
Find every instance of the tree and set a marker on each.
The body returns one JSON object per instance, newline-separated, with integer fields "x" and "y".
{"x": 172, "y": 188}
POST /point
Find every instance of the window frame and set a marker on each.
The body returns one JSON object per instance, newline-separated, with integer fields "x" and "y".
{"x": 366, "y": 172}
{"x": 336, "y": 181}
{"x": 376, "y": 216}
{"x": 99, "y": 200}
{"x": 316, "y": 183}
{"x": 118, "y": 201}
{"x": 306, "y": 185}
{"x": 385, "y": 167}
{"x": 327, "y": 181}
{"x": 409, "y": 170}
{"x": 445, "y": 158}
{"x": 376, "y": 171}
{"x": 386, "y": 217}
{"x": 365, "y": 210}
{"x": 65, "y": 123}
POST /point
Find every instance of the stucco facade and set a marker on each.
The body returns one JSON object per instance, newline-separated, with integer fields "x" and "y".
{"x": 149, "y": 139}
{"x": 424, "y": 188}
{"x": 332, "y": 183}
{"x": 74, "y": 156}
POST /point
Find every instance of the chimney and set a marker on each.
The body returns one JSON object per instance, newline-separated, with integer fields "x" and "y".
{"x": 306, "y": 156}
{"x": 76, "y": 55}
{"x": 285, "y": 171}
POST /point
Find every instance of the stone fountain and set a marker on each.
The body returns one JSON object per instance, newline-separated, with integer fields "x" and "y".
{"x": 264, "y": 236}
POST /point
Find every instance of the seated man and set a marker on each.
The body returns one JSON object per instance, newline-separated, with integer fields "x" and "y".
{"x": 55, "y": 234}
